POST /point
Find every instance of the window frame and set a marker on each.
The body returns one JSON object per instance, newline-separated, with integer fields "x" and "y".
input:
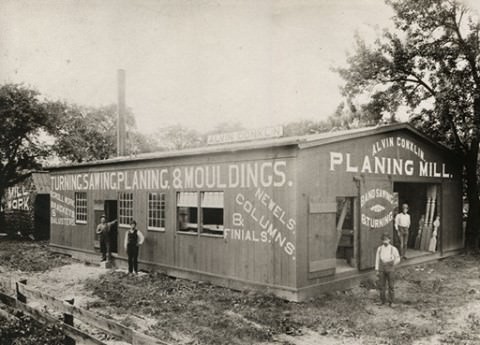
{"x": 199, "y": 208}
{"x": 201, "y": 218}
{"x": 120, "y": 208}
{"x": 85, "y": 206}
{"x": 163, "y": 204}
{"x": 183, "y": 232}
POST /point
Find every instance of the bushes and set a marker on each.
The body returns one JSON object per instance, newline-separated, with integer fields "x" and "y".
{"x": 18, "y": 221}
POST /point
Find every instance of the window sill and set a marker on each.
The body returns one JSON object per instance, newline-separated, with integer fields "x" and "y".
{"x": 156, "y": 229}
{"x": 81, "y": 222}
{"x": 188, "y": 233}
{"x": 125, "y": 226}
{"x": 212, "y": 235}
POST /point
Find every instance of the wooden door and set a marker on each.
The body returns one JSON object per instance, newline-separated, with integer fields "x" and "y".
{"x": 451, "y": 235}
{"x": 376, "y": 217}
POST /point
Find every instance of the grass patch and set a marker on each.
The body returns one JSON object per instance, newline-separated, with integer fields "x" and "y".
{"x": 29, "y": 256}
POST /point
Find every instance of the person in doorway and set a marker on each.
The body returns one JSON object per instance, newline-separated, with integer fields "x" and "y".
{"x": 103, "y": 231}
{"x": 386, "y": 259}
{"x": 402, "y": 225}
{"x": 133, "y": 240}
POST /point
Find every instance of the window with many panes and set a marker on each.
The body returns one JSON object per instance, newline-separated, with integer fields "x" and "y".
{"x": 156, "y": 211}
{"x": 204, "y": 211}
{"x": 81, "y": 207}
{"x": 125, "y": 208}
{"x": 187, "y": 211}
{"x": 212, "y": 212}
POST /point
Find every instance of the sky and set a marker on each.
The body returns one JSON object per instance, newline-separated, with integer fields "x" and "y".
{"x": 196, "y": 63}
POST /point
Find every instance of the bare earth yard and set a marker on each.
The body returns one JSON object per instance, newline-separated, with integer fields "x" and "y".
{"x": 437, "y": 303}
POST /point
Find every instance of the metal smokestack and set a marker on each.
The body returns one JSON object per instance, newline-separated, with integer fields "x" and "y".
{"x": 121, "y": 133}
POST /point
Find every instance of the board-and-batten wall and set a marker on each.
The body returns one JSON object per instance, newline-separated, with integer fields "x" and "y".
{"x": 264, "y": 263}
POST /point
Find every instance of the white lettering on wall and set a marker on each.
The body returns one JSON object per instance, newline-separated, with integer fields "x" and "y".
{"x": 18, "y": 198}
{"x": 265, "y": 230}
{"x": 380, "y": 165}
{"x": 240, "y": 175}
{"x": 62, "y": 209}
{"x": 377, "y": 208}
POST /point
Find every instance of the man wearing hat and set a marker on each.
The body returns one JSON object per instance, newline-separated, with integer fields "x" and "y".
{"x": 385, "y": 260}
{"x": 103, "y": 231}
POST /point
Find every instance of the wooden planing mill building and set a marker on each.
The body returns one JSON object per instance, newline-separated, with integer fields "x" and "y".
{"x": 294, "y": 216}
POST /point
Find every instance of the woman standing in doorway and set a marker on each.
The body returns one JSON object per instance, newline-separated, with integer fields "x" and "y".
{"x": 133, "y": 240}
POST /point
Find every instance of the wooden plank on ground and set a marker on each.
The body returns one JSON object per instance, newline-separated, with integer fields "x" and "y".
{"x": 7, "y": 300}
{"x": 91, "y": 319}
{"x": 79, "y": 336}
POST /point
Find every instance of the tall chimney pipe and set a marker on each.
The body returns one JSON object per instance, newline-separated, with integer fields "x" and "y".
{"x": 121, "y": 133}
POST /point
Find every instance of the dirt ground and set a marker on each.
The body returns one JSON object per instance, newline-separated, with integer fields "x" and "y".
{"x": 437, "y": 303}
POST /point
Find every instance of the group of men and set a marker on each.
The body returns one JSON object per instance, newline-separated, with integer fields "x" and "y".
{"x": 387, "y": 256}
{"x": 133, "y": 240}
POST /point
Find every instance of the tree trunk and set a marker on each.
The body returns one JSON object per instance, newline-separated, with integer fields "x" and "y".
{"x": 473, "y": 221}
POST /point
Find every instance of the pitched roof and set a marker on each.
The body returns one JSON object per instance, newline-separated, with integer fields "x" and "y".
{"x": 303, "y": 141}
{"x": 41, "y": 181}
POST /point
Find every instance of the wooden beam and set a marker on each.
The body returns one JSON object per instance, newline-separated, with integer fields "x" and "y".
{"x": 90, "y": 318}
{"x": 343, "y": 215}
{"x": 79, "y": 336}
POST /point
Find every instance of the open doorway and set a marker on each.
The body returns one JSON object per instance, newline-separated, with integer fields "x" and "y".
{"x": 111, "y": 215}
{"x": 424, "y": 208}
{"x": 42, "y": 217}
{"x": 345, "y": 234}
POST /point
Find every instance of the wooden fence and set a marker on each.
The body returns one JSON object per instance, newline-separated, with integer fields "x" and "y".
{"x": 70, "y": 313}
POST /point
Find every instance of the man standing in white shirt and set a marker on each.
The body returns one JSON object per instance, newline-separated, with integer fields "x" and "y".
{"x": 402, "y": 224}
{"x": 385, "y": 260}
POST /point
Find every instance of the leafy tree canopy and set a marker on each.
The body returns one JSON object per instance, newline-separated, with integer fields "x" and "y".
{"x": 89, "y": 133}
{"x": 24, "y": 119}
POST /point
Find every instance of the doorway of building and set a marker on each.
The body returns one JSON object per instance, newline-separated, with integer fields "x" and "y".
{"x": 42, "y": 216}
{"x": 423, "y": 201}
{"x": 111, "y": 215}
{"x": 345, "y": 222}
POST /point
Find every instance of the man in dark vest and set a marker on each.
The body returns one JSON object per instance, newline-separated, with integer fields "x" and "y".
{"x": 133, "y": 240}
{"x": 104, "y": 231}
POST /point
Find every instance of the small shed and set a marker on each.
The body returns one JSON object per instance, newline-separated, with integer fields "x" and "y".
{"x": 293, "y": 216}
{"x": 26, "y": 206}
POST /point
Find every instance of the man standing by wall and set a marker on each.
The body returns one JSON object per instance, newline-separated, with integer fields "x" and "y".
{"x": 402, "y": 225}
{"x": 103, "y": 231}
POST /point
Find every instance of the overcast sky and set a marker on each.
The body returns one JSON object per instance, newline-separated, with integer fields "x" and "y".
{"x": 197, "y": 63}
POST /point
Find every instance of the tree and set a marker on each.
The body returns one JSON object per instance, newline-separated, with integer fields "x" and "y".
{"x": 178, "y": 137}
{"x": 429, "y": 62}
{"x": 305, "y": 127}
{"x": 24, "y": 119}
{"x": 90, "y": 133}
